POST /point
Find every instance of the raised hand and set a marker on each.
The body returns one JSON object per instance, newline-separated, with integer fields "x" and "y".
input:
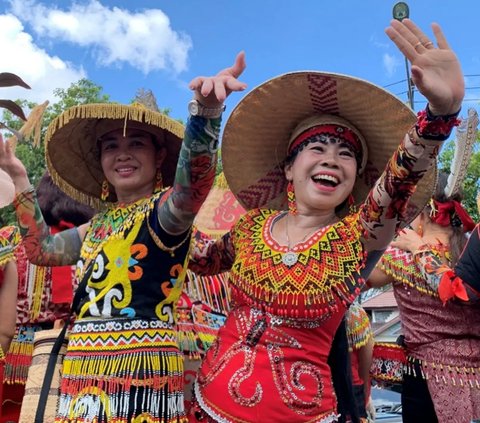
{"x": 13, "y": 166}
{"x": 212, "y": 91}
{"x": 408, "y": 240}
{"x": 436, "y": 71}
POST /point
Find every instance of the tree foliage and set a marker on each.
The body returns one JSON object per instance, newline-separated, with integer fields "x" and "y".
{"x": 471, "y": 182}
{"x": 83, "y": 91}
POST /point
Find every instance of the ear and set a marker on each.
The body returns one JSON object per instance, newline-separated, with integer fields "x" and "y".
{"x": 161, "y": 154}
{"x": 288, "y": 172}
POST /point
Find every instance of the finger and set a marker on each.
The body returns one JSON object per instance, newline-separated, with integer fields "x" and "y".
{"x": 441, "y": 40}
{"x": 417, "y": 78}
{"x": 207, "y": 87}
{"x": 196, "y": 83}
{"x": 235, "y": 85}
{"x": 402, "y": 44}
{"x": 239, "y": 66}
{"x": 418, "y": 33}
{"x": 219, "y": 88}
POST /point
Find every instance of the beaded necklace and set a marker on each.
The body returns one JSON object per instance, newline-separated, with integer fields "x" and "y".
{"x": 113, "y": 223}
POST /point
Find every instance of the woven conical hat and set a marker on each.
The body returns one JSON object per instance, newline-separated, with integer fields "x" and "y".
{"x": 71, "y": 151}
{"x": 257, "y": 133}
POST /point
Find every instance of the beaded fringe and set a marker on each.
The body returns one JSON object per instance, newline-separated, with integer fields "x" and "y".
{"x": 444, "y": 373}
{"x": 98, "y": 377}
{"x": 406, "y": 273}
{"x": 19, "y": 356}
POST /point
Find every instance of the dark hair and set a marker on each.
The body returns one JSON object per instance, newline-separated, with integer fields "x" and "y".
{"x": 458, "y": 239}
{"x": 316, "y": 138}
{"x": 57, "y": 206}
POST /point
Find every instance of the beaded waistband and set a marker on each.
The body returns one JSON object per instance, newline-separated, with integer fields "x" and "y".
{"x": 299, "y": 323}
{"x": 117, "y": 325}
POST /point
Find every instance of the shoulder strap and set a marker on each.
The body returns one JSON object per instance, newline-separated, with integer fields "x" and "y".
{"x": 52, "y": 359}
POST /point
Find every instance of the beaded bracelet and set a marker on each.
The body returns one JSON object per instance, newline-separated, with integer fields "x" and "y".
{"x": 434, "y": 127}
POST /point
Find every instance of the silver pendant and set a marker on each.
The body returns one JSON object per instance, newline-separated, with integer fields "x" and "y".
{"x": 289, "y": 258}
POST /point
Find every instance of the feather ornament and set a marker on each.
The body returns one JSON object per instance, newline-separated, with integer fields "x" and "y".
{"x": 466, "y": 136}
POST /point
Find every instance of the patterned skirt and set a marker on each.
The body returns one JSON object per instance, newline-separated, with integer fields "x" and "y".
{"x": 122, "y": 370}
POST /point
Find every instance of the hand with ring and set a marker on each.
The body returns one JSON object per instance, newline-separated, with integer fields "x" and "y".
{"x": 436, "y": 71}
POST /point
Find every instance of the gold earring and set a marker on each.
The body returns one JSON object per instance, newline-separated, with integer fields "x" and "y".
{"x": 105, "y": 190}
{"x": 158, "y": 182}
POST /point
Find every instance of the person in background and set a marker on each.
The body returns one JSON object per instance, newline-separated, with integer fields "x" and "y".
{"x": 8, "y": 293}
{"x": 9, "y": 238}
{"x": 442, "y": 342}
{"x": 360, "y": 345}
{"x": 459, "y": 284}
{"x": 44, "y": 293}
{"x": 313, "y": 143}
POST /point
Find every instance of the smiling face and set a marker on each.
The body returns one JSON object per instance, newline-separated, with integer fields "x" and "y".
{"x": 323, "y": 174}
{"x": 130, "y": 162}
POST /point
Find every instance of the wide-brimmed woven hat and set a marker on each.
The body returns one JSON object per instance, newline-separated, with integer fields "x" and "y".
{"x": 72, "y": 154}
{"x": 257, "y": 133}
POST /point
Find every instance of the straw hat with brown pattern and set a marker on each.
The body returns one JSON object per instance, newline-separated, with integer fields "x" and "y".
{"x": 72, "y": 155}
{"x": 258, "y": 132}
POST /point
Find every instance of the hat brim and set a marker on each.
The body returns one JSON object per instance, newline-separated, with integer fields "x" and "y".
{"x": 259, "y": 128}
{"x": 71, "y": 147}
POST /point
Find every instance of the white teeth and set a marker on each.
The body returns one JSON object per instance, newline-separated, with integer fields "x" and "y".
{"x": 326, "y": 178}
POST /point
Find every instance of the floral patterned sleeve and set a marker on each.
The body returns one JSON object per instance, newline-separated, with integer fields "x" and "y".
{"x": 386, "y": 204}
{"x": 42, "y": 248}
{"x": 194, "y": 176}
{"x": 460, "y": 283}
{"x": 209, "y": 256}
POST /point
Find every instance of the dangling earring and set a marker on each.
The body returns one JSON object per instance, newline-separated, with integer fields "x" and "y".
{"x": 351, "y": 204}
{"x": 158, "y": 182}
{"x": 292, "y": 204}
{"x": 420, "y": 230}
{"x": 105, "y": 191}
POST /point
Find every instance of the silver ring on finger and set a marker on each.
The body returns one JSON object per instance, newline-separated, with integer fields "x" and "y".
{"x": 418, "y": 45}
{"x": 428, "y": 44}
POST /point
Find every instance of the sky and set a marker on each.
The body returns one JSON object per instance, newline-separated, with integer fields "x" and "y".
{"x": 126, "y": 45}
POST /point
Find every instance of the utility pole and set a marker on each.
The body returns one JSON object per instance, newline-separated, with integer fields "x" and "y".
{"x": 401, "y": 12}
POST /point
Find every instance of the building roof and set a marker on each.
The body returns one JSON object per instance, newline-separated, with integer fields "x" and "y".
{"x": 385, "y": 300}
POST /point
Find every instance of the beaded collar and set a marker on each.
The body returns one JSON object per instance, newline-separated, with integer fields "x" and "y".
{"x": 114, "y": 222}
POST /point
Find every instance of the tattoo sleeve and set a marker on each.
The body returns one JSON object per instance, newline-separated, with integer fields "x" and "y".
{"x": 42, "y": 248}
{"x": 386, "y": 204}
{"x": 209, "y": 256}
{"x": 194, "y": 176}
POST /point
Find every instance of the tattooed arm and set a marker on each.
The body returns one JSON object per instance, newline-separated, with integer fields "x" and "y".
{"x": 42, "y": 248}
{"x": 209, "y": 256}
{"x": 386, "y": 204}
{"x": 194, "y": 176}
{"x": 197, "y": 160}
{"x": 437, "y": 74}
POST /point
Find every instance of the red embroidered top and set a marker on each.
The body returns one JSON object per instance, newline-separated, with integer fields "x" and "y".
{"x": 278, "y": 334}
{"x": 271, "y": 354}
